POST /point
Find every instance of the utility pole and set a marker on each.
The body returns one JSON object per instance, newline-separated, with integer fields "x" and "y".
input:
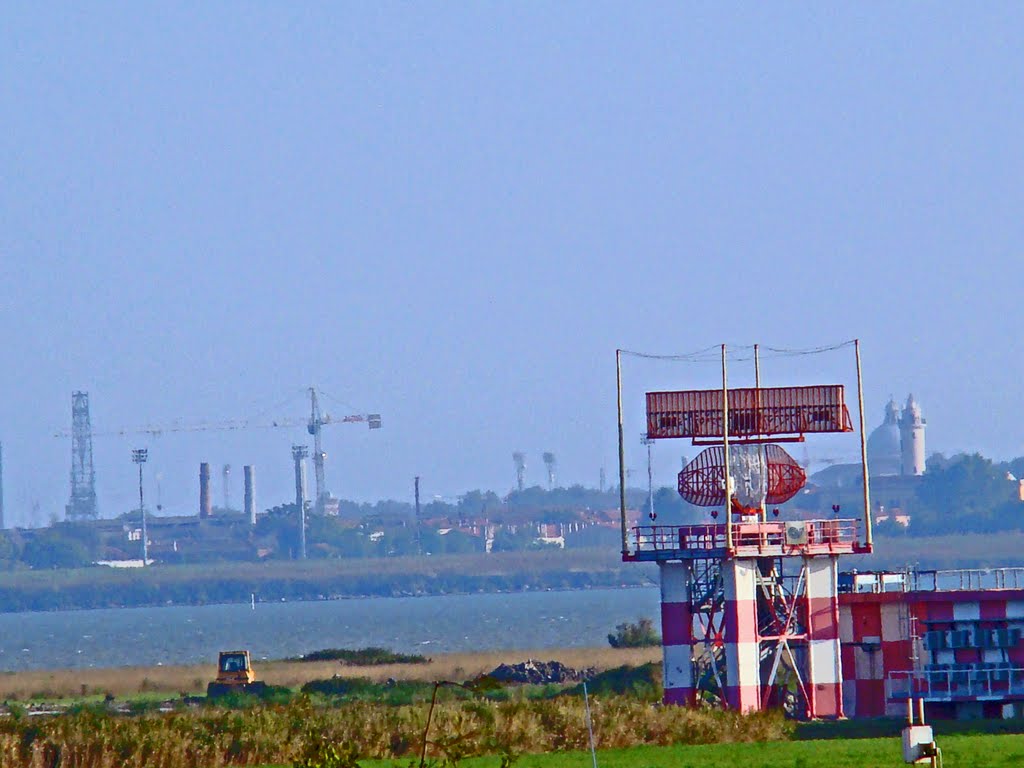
{"x": 139, "y": 456}
{"x": 419, "y": 537}
{"x": 299, "y": 454}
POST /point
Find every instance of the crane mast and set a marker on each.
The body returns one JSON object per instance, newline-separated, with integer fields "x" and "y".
{"x": 316, "y": 422}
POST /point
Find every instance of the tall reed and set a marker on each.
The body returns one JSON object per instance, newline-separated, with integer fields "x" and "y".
{"x": 206, "y": 738}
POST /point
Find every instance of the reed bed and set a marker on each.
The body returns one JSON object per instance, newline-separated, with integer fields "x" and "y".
{"x": 284, "y": 735}
{"x": 171, "y": 681}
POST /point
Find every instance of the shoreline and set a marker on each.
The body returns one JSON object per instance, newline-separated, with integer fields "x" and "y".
{"x": 335, "y": 598}
{"x": 316, "y": 580}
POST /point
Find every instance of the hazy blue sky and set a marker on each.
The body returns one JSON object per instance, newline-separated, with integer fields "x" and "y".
{"x": 453, "y": 213}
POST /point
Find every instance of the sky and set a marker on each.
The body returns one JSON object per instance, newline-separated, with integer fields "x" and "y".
{"x": 452, "y": 214}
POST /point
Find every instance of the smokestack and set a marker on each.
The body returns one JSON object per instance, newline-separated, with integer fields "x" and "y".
{"x": 250, "y": 493}
{"x": 205, "y": 504}
{"x": 299, "y": 453}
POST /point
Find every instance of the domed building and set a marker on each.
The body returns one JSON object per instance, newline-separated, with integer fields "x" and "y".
{"x": 884, "y": 453}
{"x": 896, "y": 461}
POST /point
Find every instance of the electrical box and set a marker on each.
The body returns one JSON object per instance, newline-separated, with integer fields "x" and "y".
{"x": 796, "y": 533}
{"x": 918, "y": 744}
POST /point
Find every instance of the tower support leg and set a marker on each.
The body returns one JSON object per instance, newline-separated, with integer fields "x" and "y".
{"x": 825, "y": 672}
{"x": 677, "y": 632}
{"x": 742, "y": 647}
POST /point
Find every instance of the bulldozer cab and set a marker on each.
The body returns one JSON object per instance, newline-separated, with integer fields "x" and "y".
{"x": 235, "y": 667}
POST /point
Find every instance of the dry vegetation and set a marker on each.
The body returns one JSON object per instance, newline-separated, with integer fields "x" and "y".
{"x": 131, "y": 681}
{"x": 281, "y": 735}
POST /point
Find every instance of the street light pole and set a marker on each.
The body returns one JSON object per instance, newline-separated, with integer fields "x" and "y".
{"x": 139, "y": 456}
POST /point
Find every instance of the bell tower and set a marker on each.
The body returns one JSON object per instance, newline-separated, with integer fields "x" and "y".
{"x": 912, "y": 424}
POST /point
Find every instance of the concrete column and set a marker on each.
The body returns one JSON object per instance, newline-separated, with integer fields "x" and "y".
{"x": 825, "y": 664}
{"x": 677, "y": 632}
{"x": 742, "y": 647}
{"x": 249, "y": 476}
{"x": 205, "y": 503}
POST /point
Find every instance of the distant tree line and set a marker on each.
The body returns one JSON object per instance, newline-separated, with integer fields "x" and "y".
{"x": 965, "y": 493}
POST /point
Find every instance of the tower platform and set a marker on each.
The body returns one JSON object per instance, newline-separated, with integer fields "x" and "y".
{"x": 797, "y": 538}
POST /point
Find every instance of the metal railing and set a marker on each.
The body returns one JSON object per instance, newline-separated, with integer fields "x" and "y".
{"x": 949, "y": 682}
{"x": 750, "y": 538}
{"x": 965, "y": 579}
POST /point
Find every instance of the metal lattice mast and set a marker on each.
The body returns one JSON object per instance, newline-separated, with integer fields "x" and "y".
{"x": 82, "y": 504}
{"x": 316, "y": 422}
{"x": 139, "y": 457}
{"x": 519, "y": 459}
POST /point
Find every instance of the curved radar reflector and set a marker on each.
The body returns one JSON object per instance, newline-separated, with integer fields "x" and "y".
{"x": 756, "y": 472}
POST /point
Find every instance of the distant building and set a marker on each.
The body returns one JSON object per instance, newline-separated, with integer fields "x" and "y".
{"x": 896, "y": 446}
{"x": 896, "y": 461}
{"x": 912, "y": 439}
{"x": 884, "y": 454}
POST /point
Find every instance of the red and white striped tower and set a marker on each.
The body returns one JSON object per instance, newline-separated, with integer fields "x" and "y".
{"x": 742, "y": 642}
{"x": 750, "y": 607}
{"x": 825, "y": 654}
{"x": 677, "y": 631}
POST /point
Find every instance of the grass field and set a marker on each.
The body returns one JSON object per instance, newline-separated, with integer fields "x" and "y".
{"x": 975, "y": 751}
{"x": 129, "y": 682}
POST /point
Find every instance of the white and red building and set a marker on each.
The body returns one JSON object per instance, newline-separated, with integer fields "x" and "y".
{"x": 952, "y": 638}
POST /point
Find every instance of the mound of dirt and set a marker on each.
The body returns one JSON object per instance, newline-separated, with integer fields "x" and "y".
{"x": 536, "y": 672}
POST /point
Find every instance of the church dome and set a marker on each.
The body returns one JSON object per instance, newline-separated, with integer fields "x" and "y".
{"x": 884, "y": 444}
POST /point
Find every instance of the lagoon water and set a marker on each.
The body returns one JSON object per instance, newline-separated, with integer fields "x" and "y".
{"x": 426, "y": 625}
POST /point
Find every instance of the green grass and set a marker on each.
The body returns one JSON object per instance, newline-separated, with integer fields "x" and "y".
{"x": 976, "y": 751}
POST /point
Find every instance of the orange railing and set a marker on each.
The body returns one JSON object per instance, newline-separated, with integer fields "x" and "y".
{"x": 812, "y": 536}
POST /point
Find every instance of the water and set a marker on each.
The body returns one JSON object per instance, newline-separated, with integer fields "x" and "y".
{"x": 425, "y": 625}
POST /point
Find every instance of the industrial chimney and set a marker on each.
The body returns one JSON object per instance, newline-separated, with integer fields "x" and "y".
{"x": 250, "y": 493}
{"x": 205, "y": 504}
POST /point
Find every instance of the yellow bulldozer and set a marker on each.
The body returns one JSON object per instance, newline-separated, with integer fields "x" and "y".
{"x": 235, "y": 675}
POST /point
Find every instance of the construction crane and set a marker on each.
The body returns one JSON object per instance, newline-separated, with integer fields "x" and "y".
{"x": 314, "y": 425}
{"x": 317, "y": 420}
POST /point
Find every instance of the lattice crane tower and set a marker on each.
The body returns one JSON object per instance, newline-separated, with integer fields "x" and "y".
{"x": 82, "y": 504}
{"x": 749, "y": 604}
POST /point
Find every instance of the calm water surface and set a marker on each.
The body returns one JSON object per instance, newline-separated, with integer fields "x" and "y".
{"x": 427, "y": 625}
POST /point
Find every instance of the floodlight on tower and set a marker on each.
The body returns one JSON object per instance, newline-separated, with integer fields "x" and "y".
{"x": 550, "y": 463}
{"x": 519, "y": 459}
